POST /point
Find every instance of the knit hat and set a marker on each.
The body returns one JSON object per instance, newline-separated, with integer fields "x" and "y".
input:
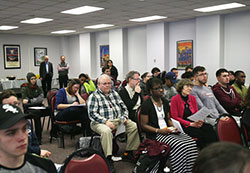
{"x": 171, "y": 76}
{"x": 30, "y": 75}
{"x": 10, "y": 115}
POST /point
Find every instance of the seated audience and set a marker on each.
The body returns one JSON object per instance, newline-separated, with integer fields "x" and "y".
{"x": 231, "y": 77}
{"x": 188, "y": 69}
{"x": 131, "y": 94}
{"x": 9, "y": 97}
{"x": 188, "y": 75}
{"x": 14, "y": 142}
{"x": 246, "y": 114}
{"x": 239, "y": 84}
{"x": 87, "y": 85}
{"x": 144, "y": 78}
{"x": 223, "y": 157}
{"x": 157, "y": 125}
{"x": 107, "y": 111}
{"x": 32, "y": 95}
{"x": 155, "y": 72}
{"x": 113, "y": 69}
{"x": 204, "y": 95}
{"x": 67, "y": 105}
{"x": 226, "y": 94}
{"x": 184, "y": 105}
{"x": 169, "y": 80}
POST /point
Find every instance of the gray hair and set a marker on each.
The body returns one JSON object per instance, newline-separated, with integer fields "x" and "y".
{"x": 103, "y": 76}
{"x": 131, "y": 74}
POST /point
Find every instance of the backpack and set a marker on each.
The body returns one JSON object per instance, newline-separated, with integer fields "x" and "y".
{"x": 146, "y": 163}
{"x": 84, "y": 142}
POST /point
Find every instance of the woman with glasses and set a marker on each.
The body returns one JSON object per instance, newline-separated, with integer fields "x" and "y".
{"x": 158, "y": 126}
{"x": 184, "y": 105}
{"x": 70, "y": 105}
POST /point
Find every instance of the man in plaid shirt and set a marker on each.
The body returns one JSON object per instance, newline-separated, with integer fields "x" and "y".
{"x": 107, "y": 111}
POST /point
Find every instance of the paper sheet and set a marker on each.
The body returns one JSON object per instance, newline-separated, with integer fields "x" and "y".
{"x": 200, "y": 115}
{"x": 177, "y": 125}
{"x": 37, "y": 107}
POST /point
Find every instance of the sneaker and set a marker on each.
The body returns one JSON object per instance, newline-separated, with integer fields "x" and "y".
{"x": 116, "y": 159}
{"x": 128, "y": 157}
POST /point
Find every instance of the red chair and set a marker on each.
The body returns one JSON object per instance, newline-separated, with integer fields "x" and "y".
{"x": 94, "y": 164}
{"x": 146, "y": 97}
{"x": 85, "y": 96}
{"x": 228, "y": 130}
{"x": 57, "y": 125}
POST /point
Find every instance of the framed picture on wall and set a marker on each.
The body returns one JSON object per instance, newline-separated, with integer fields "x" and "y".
{"x": 104, "y": 55}
{"x": 39, "y": 53}
{"x": 184, "y": 53}
{"x": 12, "y": 56}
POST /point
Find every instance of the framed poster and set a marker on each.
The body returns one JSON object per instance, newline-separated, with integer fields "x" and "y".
{"x": 39, "y": 53}
{"x": 184, "y": 53}
{"x": 12, "y": 56}
{"x": 104, "y": 55}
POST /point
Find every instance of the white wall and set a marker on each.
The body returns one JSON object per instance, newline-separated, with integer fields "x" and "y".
{"x": 237, "y": 43}
{"x": 137, "y": 52}
{"x": 27, "y": 44}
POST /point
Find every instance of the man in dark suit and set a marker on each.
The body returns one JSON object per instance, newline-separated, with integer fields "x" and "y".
{"x": 46, "y": 74}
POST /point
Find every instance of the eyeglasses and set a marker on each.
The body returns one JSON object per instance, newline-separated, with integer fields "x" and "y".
{"x": 203, "y": 74}
{"x": 106, "y": 83}
{"x": 16, "y": 103}
{"x": 33, "y": 78}
{"x": 158, "y": 88}
{"x": 136, "y": 79}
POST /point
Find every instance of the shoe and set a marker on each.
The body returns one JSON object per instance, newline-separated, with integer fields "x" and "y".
{"x": 116, "y": 159}
{"x": 128, "y": 157}
{"x": 111, "y": 164}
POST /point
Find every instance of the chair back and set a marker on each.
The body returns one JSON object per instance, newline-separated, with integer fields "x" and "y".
{"x": 228, "y": 130}
{"x": 85, "y": 96}
{"x": 51, "y": 93}
{"x": 138, "y": 123}
{"x": 146, "y": 97}
{"x": 94, "y": 163}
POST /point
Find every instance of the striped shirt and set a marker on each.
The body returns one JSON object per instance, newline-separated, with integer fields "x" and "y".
{"x": 103, "y": 107}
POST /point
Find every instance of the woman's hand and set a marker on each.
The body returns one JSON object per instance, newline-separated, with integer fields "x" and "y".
{"x": 25, "y": 101}
{"x": 75, "y": 103}
{"x": 165, "y": 131}
{"x": 197, "y": 124}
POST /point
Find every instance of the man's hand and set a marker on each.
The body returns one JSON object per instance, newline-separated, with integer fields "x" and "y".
{"x": 25, "y": 101}
{"x": 138, "y": 88}
{"x": 125, "y": 121}
{"x": 45, "y": 153}
{"x": 110, "y": 125}
{"x": 226, "y": 118}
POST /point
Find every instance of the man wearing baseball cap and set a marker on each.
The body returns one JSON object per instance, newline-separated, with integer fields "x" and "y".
{"x": 169, "y": 89}
{"x": 14, "y": 141}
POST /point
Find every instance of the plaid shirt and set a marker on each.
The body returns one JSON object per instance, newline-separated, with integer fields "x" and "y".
{"x": 102, "y": 108}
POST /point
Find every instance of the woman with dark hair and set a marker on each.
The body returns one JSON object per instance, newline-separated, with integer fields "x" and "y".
{"x": 68, "y": 107}
{"x": 144, "y": 78}
{"x": 182, "y": 106}
{"x": 113, "y": 69}
{"x": 158, "y": 126}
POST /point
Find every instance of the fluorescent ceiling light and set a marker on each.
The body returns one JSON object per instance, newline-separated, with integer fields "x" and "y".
{"x": 98, "y": 26}
{"x": 63, "y": 32}
{"x": 149, "y": 18}
{"x": 36, "y": 20}
{"x": 220, "y": 7}
{"x": 5, "y": 27}
{"x": 82, "y": 10}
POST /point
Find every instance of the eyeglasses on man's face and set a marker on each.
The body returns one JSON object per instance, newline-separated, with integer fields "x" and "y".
{"x": 106, "y": 83}
{"x": 203, "y": 74}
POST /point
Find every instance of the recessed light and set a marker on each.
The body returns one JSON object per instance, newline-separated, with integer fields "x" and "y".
{"x": 63, "y": 32}
{"x": 6, "y": 27}
{"x": 98, "y": 26}
{"x": 220, "y": 7}
{"x": 149, "y": 18}
{"x": 36, "y": 20}
{"x": 82, "y": 10}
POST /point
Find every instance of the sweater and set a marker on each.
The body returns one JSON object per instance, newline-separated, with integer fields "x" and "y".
{"x": 242, "y": 92}
{"x": 61, "y": 98}
{"x": 205, "y": 97}
{"x": 228, "y": 98}
{"x": 178, "y": 106}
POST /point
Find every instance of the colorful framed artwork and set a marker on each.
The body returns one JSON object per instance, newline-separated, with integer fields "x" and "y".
{"x": 104, "y": 55}
{"x": 39, "y": 53}
{"x": 12, "y": 56}
{"x": 184, "y": 53}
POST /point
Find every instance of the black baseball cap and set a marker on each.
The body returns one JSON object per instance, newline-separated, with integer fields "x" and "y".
{"x": 10, "y": 115}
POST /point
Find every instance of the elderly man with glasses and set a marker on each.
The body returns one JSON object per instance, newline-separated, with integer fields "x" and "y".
{"x": 107, "y": 111}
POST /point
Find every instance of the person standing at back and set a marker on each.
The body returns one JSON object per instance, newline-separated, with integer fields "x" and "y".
{"x": 46, "y": 74}
{"x": 63, "y": 70}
